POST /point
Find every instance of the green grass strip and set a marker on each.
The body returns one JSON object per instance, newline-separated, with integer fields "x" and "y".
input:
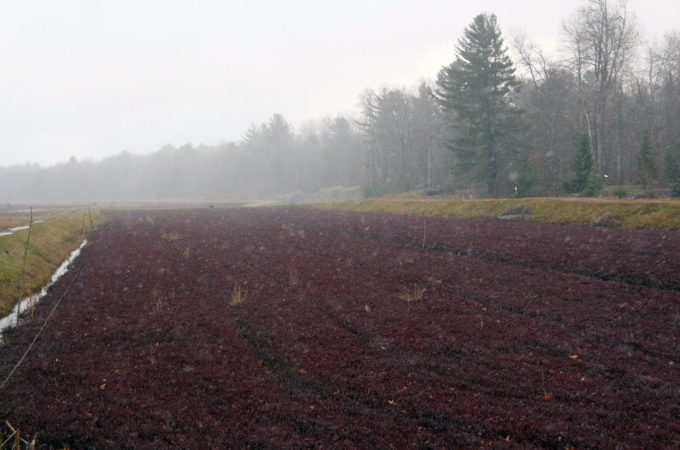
{"x": 648, "y": 214}
{"x": 51, "y": 243}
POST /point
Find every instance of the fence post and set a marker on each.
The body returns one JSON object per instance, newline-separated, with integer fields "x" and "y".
{"x": 23, "y": 269}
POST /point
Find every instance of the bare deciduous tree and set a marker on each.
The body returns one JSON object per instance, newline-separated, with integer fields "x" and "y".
{"x": 600, "y": 38}
{"x": 531, "y": 58}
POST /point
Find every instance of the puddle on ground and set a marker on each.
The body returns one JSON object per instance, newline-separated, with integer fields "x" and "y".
{"x": 15, "y": 229}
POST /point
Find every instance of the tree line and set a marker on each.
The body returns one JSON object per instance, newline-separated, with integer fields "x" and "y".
{"x": 271, "y": 159}
{"x": 606, "y": 113}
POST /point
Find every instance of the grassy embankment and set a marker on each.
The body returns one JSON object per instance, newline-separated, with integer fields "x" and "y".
{"x": 51, "y": 242}
{"x": 650, "y": 214}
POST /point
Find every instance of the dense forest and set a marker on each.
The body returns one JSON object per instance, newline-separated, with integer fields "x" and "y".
{"x": 501, "y": 119}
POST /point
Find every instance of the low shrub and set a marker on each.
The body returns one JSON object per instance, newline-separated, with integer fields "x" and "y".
{"x": 594, "y": 184}
{"x": 675, "y": 190}
{"x": 620, "y": 192}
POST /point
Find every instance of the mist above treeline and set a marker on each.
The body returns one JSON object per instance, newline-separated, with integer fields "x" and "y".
{"x": 606, "y": 113}
{"x": 272, "y": 159}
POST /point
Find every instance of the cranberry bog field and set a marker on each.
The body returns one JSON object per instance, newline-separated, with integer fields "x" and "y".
{"x": 290, "y": 327}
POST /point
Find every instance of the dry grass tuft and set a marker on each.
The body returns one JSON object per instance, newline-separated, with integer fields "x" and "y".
{"x": 293, "y": 278}
{"x": 413, "y": 295}
{"x": 158, "y": 300}
{"x": 238, "y": 296}
{"x": 172, "y": 237}
{"x": 14, "y": 439}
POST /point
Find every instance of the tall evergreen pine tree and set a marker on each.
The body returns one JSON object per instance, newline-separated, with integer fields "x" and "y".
{"x": 478, "y": 87}
{"x": 646, "y": 165}
{"x": 672, "y": 168}
{"x": 581, "y": 167}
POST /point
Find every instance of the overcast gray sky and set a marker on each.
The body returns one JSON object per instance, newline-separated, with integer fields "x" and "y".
{"x": 92, "y": 78}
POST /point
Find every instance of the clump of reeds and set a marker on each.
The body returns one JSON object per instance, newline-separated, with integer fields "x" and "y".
{"x": 238, "y": 295}
{"x": 412, "y": 295}
{"x": 14, "y": 439}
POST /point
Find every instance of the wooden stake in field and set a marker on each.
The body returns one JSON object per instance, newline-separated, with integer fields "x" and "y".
{"x": 23, "y": 269}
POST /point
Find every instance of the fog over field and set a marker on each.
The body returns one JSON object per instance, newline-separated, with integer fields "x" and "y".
{"x": 501, "y": 269}
{"x": 266, "y": 97}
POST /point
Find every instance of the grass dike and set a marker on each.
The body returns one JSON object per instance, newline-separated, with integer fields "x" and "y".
{"x": 54, "y": 235}
{"x": 643, "y": 214}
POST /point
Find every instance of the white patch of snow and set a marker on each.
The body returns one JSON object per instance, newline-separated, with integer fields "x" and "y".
{"x": 15, "y": 229}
